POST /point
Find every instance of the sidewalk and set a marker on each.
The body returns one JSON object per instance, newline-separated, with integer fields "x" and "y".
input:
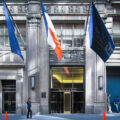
{"x": 113, "y": 116}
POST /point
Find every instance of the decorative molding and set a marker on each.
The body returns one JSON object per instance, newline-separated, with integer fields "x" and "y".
{"x": 16, "y": 9}
{"x": 54, "y": 8}
{"x": 69, "y": 57}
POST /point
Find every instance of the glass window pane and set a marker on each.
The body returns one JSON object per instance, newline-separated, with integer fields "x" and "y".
{"x": 6, "y": 31}
{"x": 78, "y": 29}
{"x": 67, "y": 43}
{"x": 67, "y": 29}
{"x": 22, "y": 31}
{"x": 78, "y": 98}
{"x": 6, "y": 42}
{"x": 64, "y": 77}
{"x": 2, "y": 39}
{"x": 117, "y": 41}
{"x": 78, "y": 78}
{"x": 78, "y": 42}
{"x": 1, "y": 31}
{"x": 20, "y": 41}
{"x": 58, "y": 29}
{"x": 116, "y": 26}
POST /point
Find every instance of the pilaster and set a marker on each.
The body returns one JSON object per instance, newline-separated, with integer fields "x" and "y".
{"x": 33, "y": 62}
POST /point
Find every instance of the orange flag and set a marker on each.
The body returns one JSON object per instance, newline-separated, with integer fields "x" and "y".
{"x": 104, "y": 116}
{"x": 6, "y": 116}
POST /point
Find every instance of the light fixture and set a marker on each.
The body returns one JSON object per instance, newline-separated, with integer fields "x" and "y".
{"x": 100, "y": 82}
{"x": 32, "y": 82}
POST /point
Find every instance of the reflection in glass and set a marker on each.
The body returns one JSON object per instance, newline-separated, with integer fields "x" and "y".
{"x": 70, "y": 32}
{"x": 66, "y": 77}
{"x": 59, "y": 103}
{"x": 4, "y": 39}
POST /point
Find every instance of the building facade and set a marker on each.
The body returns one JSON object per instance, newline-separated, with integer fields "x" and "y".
{"x": 80, "y": 81}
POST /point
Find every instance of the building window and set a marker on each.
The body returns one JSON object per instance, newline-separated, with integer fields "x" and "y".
{"x": 4, "y": 39}
{"x": 67, "y": 77}
{"x": 116, "y": 39}
{"x": 70, "y": 35}
{"x": 116, "y": 32}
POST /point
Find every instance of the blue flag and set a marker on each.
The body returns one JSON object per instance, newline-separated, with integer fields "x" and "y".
{"x": 11, "y": 31}
{"x": 100, "y": 40}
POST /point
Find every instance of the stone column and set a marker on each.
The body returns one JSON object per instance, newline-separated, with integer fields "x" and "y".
{"x": 44, "y": 70}
{"x": 33, "y": 52}
{"x": 18, "y": 95}
{"x": 94, "y": 68}
{"x": 99, "y": 102}
{"x": 0, "y": 97}
{"x": 90, "y": 76}
{"x": 24, "y": 90}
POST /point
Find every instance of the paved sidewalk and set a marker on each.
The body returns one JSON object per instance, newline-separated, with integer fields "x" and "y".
{"x": 113, "y": 116}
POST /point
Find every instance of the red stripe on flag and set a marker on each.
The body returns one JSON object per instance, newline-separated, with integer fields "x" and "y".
{"x": 58, "y": 49}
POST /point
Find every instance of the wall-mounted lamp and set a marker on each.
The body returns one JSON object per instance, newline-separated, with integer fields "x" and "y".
{"x": 32, "y": 82}
{"x": 100, "y": 82}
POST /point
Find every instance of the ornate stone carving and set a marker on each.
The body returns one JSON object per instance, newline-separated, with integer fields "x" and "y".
{"x": 77, "y": 9}
{"x": 19, "y": 9}
{"x": 85, "y": 9}
{"x": 11, "y": 9}
{"x": 59, "y": 9}
{"x": 70, "y": 9}
{"x": 69, "y": 57}
{"x": 48, "y": 8}
{"x": 56, "y": 10}
{"x": 62, "y": 9}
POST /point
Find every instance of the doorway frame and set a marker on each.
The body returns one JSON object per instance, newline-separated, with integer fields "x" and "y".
{"x": 67, "y": 112}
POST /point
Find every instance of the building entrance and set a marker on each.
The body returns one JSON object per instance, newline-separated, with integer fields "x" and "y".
{"x": 67, "y": 90}
{"x": 9, "y": 96}
{"x": 113, "y": 85}
{"x": 67, "y": 102}
{"x": 9, "y": 102}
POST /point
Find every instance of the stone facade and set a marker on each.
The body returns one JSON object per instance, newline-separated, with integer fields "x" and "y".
{"x": 39, "y": 58}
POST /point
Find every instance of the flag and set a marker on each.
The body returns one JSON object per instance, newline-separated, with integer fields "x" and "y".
{"x": 11, "y": 31}
{"x": 51, "y": 34}
{"x": 100, "y": 40}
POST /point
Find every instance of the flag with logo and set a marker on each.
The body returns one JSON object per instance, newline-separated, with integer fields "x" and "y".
{"x": 100, "y": 39}
{"x": 51, "y": 34}
{"x": 11, "y": 31}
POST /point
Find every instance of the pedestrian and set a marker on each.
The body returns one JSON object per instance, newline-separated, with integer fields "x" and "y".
{"x": 116, "y": 103}
{"x": 109, "y": 103}
{"x": 29, "y": 113}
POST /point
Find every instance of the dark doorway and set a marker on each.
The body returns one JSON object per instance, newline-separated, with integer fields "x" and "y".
{"x": 113, "y": 84}
{"x": 9, "y": 96}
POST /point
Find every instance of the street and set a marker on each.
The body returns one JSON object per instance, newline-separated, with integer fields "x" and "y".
{"x": 113, "y": 116}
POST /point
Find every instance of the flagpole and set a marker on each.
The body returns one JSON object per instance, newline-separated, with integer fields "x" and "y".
{"x": 15, "y": 24}
{"x": 87, "y": 18}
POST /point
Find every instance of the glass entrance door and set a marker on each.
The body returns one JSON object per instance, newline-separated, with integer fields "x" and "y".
{"x": 9, "y": 104}
{"x": 67, "y": 102}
